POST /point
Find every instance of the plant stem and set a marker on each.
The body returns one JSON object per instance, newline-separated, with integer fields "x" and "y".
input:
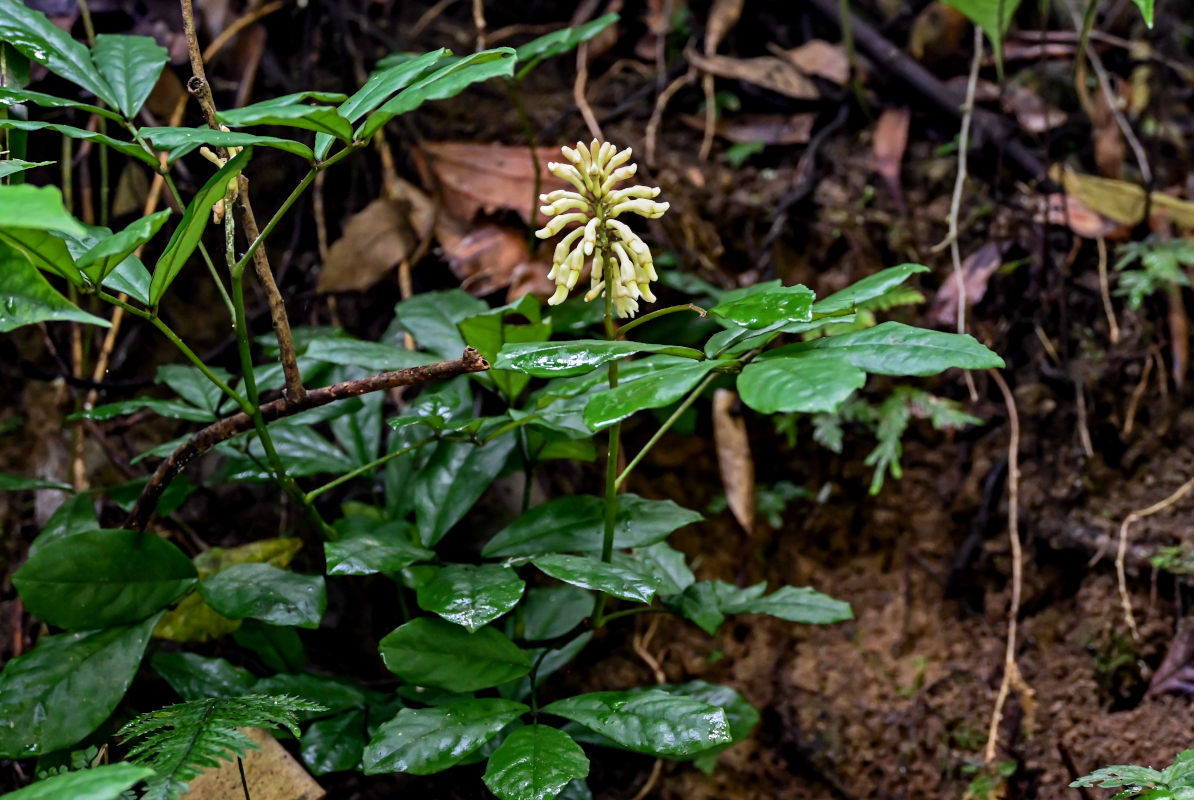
{"x": 680, "y": 409}
{"x": 663, "y": 312}
{"x": 615, "y": 431}
{"x": 629, "y": 612}
{"x": 239, "y": 267}
{"x": 361, "y": 470}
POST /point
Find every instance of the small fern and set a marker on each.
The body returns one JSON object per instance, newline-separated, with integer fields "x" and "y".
{"x": 178, "y": 741}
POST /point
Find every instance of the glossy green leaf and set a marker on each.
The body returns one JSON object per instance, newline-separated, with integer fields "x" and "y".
{"x": 535, "y": 762}
{"x": 302, "y": 450}
{"x": 131, "y": 65}
{"x": 592, "y": 573}
{"x": 264, "y": 592}
{"x": 553, "y": 611}
{"x": 700, "y": 604}
{"x": 656, "y": 390}
{"x": 470, "y": 595}
{"x": 26, "y": 297}
{"x": 378, "y": 88}
{"x": 781, "y": 304}
{"x": 796, "y": 604}
{"x": 441, "y": 83}
{"x": 29, "y": 216}
{"x": 549, "y": 660}
{"x": 103, "y": 578}
{"x": 192, "y": 385}
{"x": 194, "y": 677}
{"x": 130, "y": 149}
{"x": 172, "y": 409}
{"x": 182, "y": 140}
{"x": 12, "y": 97}
{"x": 40, "y": 40}
{"x": 278, "y": 646}
{"x": 452, "y": 480}
{"x": 869, "y": 288}
{"x": 105, "y": 782}
{"x": 331, "y": 693}
{"x": 132, "y": 278}
{"x": 45, "y": 250}
{"x": 576, "y": 524}
{"x": 376, "y": 356}
{"x": 993, "y": 16}
{"x": 740, "y": 714}
{"x": 195, "y": 220}
{"x": 62, "y": 689}
{"x": 560, "y": 42}
{"x": 806, "y": 385}
{"x": 429, "y": 651}
{"x": 1146, "y": 10}
{"x": 896, "y": 349}
{"x": 385, "y": 548}
{"x": 12, "y": 166}
{"x": 21, "y": 483}
{"x": 290, "y": 111}
{"x": 335, "y": 744}
{"x": 99, "y": 261}
{"x": 488, "y": 332}
{"x": 562, "y": 359}
{"x": 76, "y": 515}
{"x": 653, "y": 722}
{"x": 662, "y": 562}
{"x": 431, "y": 318}
{"x": 428, "y": 740}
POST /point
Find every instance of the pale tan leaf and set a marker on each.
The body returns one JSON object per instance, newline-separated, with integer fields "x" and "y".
{"x": 821, "y": 59}
{"x": 487, "y": 178}
{"x": 271, "y": 774}
{"x": 723, "y": 16}
{"x": 768, "y": 72}
{"x": 1122, "y": 201}
{"x": 1033, "y": 113}
{"x": 485, "y": 257}
{"x": 374, "y": 240}
{"x": 887, "y": 148}
{"x": 1070, "y": 211}
{"x": 977, "y": 270}
{"x": 734, "y": 458}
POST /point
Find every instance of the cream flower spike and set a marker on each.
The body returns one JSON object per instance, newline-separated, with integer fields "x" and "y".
{"x": 622, "y": 264}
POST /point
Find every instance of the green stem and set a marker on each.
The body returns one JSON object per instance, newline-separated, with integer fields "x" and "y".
{"x": 663, "y": 312}
{"x": 239, "y": 267}
{"x": 529, "y": 132}
{"x": 630, "y": 612}
{"x": 615, "y": 432}
{"x": 372, "y": 465}
{"x": 680, "y": 409}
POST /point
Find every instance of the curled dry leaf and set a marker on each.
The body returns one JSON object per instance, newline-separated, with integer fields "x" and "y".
{"x": 723, "y": 16}
{"x": 769, "y": 129}
{"x": 977, "y": 270}
{"x": 821, "y": 59}
{"x": 734, "y": 458}
{"x": 486, "y": 178}
{"x": 768, "y": 72}
{"x": 484, "y": 259}
{"x": 887, "y": 149}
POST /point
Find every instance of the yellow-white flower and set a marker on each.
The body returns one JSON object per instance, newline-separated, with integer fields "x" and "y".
{"x": 621, "y": 260}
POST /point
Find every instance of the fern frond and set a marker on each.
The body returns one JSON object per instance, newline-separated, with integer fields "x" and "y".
{"x": 178, "y": 741}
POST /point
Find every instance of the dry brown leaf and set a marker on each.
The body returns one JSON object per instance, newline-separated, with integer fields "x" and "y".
{"x": 485, "y": 257}
{"x": 723, "y": 16}
{"x": 1069, "y": 211}
{"x": 486, "y": 178}
{"x": 271, "y": 774}
{"x": 1110, "y": 150}
{"x": 734, "y": 458}
{"x": 887, "y": 149}
{"x": 768, "y": 72}
{"x": 530, "y": 277}
{"x": 937, "y": 33}
{"x": 1179, "y": 337}
{"x": 374, "y": 240}
{"x": 1033, "y": 113}
{"x": 977, "y": 270}
{"x": 821, "y": 59}
{"x": 770, "y": 129}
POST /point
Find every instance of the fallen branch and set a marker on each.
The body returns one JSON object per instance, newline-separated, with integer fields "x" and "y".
{"x": 222, "y": 430}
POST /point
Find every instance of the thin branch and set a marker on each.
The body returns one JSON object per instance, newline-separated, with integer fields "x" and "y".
{"x": 207, "y": 438}
{"x": 1121, "y": 555}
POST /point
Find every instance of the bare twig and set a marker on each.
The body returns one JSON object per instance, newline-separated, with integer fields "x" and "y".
{"x": 1105, "y": 291}
{"x": 1011, "y": 672}
{"x": 1121, "y": 555}
{"x": 1137, "y": 394}
{"x": 578, "y": 91}
{"x": 657, "y": 113}
{"x": 479, "y": 22}
{"x": 225, "y": 429}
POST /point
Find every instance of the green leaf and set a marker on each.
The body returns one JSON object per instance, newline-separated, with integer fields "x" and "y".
{"x": 45, "y": 250}
{"x": 12, "y": 166}
{"x": 994, "y": 17}
{"x": 553, "y": 611}
{"x": 700, "y": 604}
{"x": 290, "y": 110}
{"x": 548, "y": 661}
{"x": 428, "y": 740}
{"x": 656, "y": 390}
{"x": 186, "y": 236}
{"x": 264, "y": 592}
{"x": 429, "y": 651}
{"x": 562, "y": 359}
{"x": 76, "y": 515}
{"x": 28, "y": 215}
{"x": 103, "y": 578}
{"x": 178, "y": 141}
{"x": 472, "y": 596}
{"x": 431, "y": 318}
{"x": 489, "y": 331}
{"x": 896, "y": 349}
{"x": 560, "y": 42}
{"x": 766, "y": 308}
{"x": 576, "y": 524}
{"x": 376, "y": 356}
{"x": 797, "y": 604}
{"x": 171, "y": 409}
{"x": 652, "y": 722}
{"x": 192, "y": 385}
{"x": 61, "y": 690}
{"x": 99, "y": 261}
{"x": 1146, "y": 10}
{"x": 335, "y": 744}
{"x": 131, "y": 65}
{"x": 40, "y": 40}
{"x": 26, "y": 297}
{"x": 105, "y": 782}
{"x": 331, "y": 693}
{"x": 452, "y": 480}
{"x": 741, "y": 715}
{"x": 379, "y": 87}
{"x": 132, "y": 278}
{"x": 129, "y": 149}
{"x": 194, "y": 677}
{"x": 535, "y": 763}
{"x": 591, "y": 573}
{"x": 869, "y": 288}
{"x": 444, "y": 82}
{"x": 21, "y": 483}
{"x": 384, "y": 548}
{"x": 660, "y": 561}
{"x": 806, "y": 384}
{"x": 12, "y": 97}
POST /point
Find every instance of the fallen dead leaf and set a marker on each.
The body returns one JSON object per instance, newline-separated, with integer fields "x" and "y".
{"x": 374, "y": 240}
{"x": 770, "y": 129}
{"x": 734, "y": 458}
{"x": 821, "y": 59}
{"x": 530, "y": 277}
{"x": 723, "y": 16}
{"x": 271, "y": 774}
{"x": 1033, "y": 113}
{"x": 887, "y": 149}
{"x": 1121, "y": 201}
{"x": 1069, "y": 211}
{"x": 768, "y": 72}
{"x": 977, "y": 270}
{"x": 484, "y": 259}
{"x": 486, "y": 178}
